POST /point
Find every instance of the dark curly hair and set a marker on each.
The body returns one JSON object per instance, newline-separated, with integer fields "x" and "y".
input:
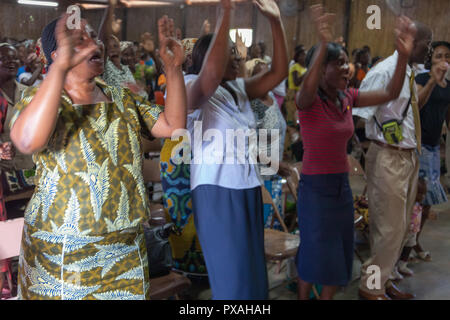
{"x": 434, "y": 45}
{"x": 333, "y": 52}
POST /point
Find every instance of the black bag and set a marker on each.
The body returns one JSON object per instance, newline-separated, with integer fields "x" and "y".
{"x": 159, "y": 251}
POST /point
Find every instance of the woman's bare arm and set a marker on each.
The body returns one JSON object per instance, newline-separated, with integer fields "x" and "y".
{"x": 259, "y": 85}
{"x": 215, "y": 62}
{"x": 172, "y": 54}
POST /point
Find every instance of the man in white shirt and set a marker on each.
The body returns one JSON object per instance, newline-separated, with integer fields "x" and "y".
{"x": 392, "y": 167}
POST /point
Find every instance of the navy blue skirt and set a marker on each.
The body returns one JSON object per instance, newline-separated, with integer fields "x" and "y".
{"x": 325, "y": 219}
{"x": 230, "y": 228}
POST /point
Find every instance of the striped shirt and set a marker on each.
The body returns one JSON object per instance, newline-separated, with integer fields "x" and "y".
{"x": 326, "y": 130}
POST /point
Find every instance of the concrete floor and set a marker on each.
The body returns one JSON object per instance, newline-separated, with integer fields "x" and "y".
{"x": 431, "y": 280}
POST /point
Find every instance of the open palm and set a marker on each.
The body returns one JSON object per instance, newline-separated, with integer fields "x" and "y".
{"x": 405, "y": 32}
{"x": 268, "y": 8}
{"x": 324, "y": 22}
{"x": 67, "y": 40}
{"x": 170, "y": 49}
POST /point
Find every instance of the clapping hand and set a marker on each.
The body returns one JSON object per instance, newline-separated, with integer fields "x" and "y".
{"x": 323, "y": 22}
{"x": 438, "y": 72}
{"x": 284, "y": 169}
{"x": 170, "y": 49}
{"x": 6, "y": 151}
{"x": 67, "y": 55}
{"x": 405, "y": 32}
{"x": 268, "y": 8}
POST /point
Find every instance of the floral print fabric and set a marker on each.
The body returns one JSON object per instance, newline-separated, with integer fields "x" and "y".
{"x": 82, "y": 234}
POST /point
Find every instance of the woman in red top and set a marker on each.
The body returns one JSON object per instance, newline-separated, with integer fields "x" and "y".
{"x": 325, "y": 206}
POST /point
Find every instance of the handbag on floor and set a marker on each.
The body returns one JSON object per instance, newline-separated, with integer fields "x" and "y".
{"x": 159, "y": 251}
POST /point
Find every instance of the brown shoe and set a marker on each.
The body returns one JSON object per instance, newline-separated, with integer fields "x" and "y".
{"x": 367, "y": 296}
{"x": 395, "y": 294}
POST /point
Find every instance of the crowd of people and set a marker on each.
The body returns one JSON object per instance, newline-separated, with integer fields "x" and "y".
{"x": 79, "y": 107}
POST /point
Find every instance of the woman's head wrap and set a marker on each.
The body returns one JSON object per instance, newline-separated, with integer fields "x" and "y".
{"x": 48, "y": 40}
{"x": 124, "y": 45}
{"x": 251, "y": 64}
{"x": 188, "y": 45}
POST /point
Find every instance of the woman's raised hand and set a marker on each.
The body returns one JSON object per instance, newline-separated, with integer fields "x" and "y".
{"x": 170, "y": 49}
{"x": 68, "y": 55}
{"x": 240, "y": 46}
{"x": 7, "y": 151}
{"x": 405, "y": 32}
{"x": 268, "y": 8}
{"x": 438, "y": 72}
{"x": 324, "y": 22}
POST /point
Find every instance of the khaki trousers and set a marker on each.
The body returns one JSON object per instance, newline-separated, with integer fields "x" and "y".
{"x": 392, "y": 177}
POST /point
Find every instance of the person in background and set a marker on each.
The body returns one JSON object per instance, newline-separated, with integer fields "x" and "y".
{"x": 434, "y": 100}
{"x": 22, "y": 53}
{"x": 188, "y": 45}
{"x": 325, "y": 201}
{"x": 352, "y": 65}
{"x": 116, "y": 74}
{"x": 268, "y": 117}
{"x": 297, "y": 73}
{"x": 362, "y": 61}
{"x": 33, "y": 72}
{"x": 142, "y": 73}
{"x": 280, "y": 93}
{"x": 263, "y": 55}
{"x": 18, "y": 173}
{"x": 376, "y": 60}
{"x": 392, "y": 166}
{"x": 6, "y": 153}
{"x": 150, "y": 57}
{"x": 414, "y": 228}
{"x": 367, "y": 49}
{"x": 254, "y": 52}
{"x": 177, "y": 200}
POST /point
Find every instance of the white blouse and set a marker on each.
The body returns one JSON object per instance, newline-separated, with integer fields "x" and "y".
{"x": 216, "y": 121}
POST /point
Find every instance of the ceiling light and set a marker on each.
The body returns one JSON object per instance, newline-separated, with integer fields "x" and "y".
{"x": 39, "y": 3}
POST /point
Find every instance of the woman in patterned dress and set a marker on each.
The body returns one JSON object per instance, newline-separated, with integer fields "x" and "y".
{"x": 82, "y": 235}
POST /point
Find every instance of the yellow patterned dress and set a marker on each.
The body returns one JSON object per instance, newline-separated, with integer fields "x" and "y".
{"x": 82, "y": 236}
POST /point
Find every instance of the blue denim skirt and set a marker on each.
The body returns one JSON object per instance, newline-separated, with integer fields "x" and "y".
{"x": 430, "y": 171}
{"x": 325, "y": 219}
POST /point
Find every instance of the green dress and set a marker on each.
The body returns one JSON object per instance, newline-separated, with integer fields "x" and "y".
{"x": 82, "y": 236}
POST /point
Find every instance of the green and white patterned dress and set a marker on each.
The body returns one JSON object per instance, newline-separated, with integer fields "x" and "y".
{"x": 82, "y": 236}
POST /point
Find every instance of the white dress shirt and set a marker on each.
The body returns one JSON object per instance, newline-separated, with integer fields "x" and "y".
{"x": 379, "y": 78}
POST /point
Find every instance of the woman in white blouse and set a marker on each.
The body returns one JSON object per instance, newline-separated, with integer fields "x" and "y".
{"x": 226, "y": 194}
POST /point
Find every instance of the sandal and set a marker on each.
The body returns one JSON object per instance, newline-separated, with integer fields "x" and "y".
{"x": 424, "y": 255}
{"x": 413, "y": 259}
